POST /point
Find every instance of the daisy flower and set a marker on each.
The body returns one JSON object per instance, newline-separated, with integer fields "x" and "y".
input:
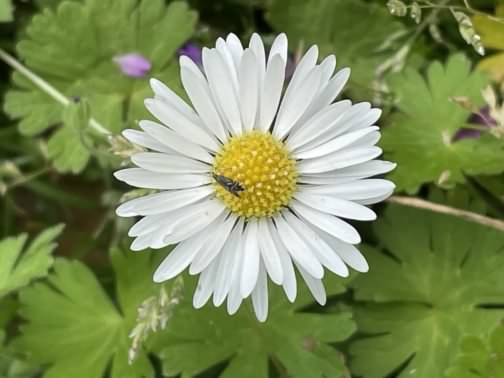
{"x": 254, "y": 182}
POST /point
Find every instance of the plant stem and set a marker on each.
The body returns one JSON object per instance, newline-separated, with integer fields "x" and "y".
{"x": 443, "y": 209}
{"x": 46, "y": 87}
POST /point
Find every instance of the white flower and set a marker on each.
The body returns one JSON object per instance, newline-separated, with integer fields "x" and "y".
{"x": 253, "y": 183}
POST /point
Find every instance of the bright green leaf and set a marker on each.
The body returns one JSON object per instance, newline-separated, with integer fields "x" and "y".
{"x": 61, "y": 47}
{"x": 18, "y": 268}
{"x": 297, "y": 341}
{"x": 425, "y": 292}
{"x": 419, "y": 138}
{"x": 75, "y": 328}
{"x": 492, "y": 37}
{"x": 354, "y": 30}
{"x": 480, "y": 357}
{"x": 6, "y": 11}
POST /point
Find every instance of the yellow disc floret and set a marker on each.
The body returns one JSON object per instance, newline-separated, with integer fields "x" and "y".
{"x": 261, "y": 167}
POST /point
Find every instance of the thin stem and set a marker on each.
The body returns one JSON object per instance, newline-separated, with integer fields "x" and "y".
{"x": 467, "y": 7}
{"x": 46, "y": 87}
{"x": 27, "y": 178}
{"x": 443, "y": 209}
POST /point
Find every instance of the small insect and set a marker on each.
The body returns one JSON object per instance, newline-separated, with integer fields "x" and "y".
{"x": 233, "y": 187}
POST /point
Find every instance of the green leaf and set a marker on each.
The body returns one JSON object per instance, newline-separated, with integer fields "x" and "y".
{"x": 296, "y": 341}
{"x": 61, "y": 47}
{"x": 480, "y": 357}
{"x": 69, "y": 146}
{"x": 6, "y": 11}
{"x": 87, "y": 332}
{"x": 355, "y": 31}
{"x": 492, "y": 37}
{"x": 428, "y": 287}
{"x": 419, "y": 138}
{"x": 11, "y": 366}
{"x": 18, "y": 268}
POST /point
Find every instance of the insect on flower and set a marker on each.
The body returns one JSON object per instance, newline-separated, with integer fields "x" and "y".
{"x": 233, "y": 187}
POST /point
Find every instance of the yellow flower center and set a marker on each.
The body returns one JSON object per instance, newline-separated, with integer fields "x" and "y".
{"x": 259, "y": 173}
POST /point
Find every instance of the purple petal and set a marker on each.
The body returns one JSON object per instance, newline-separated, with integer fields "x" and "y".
{"x": 482, "y": 118}
{"x": 133, "y": 64}
{"x": 192, "y": 51}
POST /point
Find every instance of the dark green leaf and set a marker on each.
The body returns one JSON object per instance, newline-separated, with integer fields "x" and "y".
{"x": 296, "y": 341}
{"x": 18, "y": 268}
{"x": 425, "y": 293}
{"x": 86, "y": 330}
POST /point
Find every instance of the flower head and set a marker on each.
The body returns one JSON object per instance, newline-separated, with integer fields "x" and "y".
{"x": 254, "y": 181}
{"x": 133, "y": 64}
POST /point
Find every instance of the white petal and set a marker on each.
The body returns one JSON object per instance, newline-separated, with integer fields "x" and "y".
{"x": 145, "y": 140}
{"x": 339, "y": 159}
{"x": 260, "y": 296}
{"x": 295, "y": 103}
{"x": 236, "y": 48}
{"x": 355, "y": 172}
{"x": 179, "y": 258}
{"x": 349, "y": 253}
{"x": 205, "y": 286}
{"x": 355, "y": 190}
{"x": 221, "y": 84}
{"x": 269, "y": 253}
{"x": 330, "y": 224}
{"x": 257, "y": 46}
{"x": 142, "y": 178}
{"x": 175, "y": 141}
{"x": 164, "y": 163}
{"x": 327, "y": 119}
{"x": 303, "y": 68}
{"x": 272, "y": 92}
{"x": 327, "y": 66}
{"x": 298, "y": 249}
{"x": 182, "y": 125}
{"x": 315, "y": 286}
{"x": 228, "y": 262}
{"x": 141, "y": 242}
{"x": 373, "y": 200}
{"x": 223, "y": 50}
{"x": 336, "y": 144}
{"x": 336, "y": 206}
{"x": 208, "y": 253}
{"x": 168, "y": 96}
{"x": 358, "y": 117}
{"x": 289, "y": 276}
{"x": 251, "y": 259}
{"x": 163, "y": 202}
{"x": 279, "y": 47}
{"x": 249, "y": 89}
{"x": 192, "y": 223}
{"x": 198, "y": 91}
{"x": 234, "y": 298}
{"x": 147, "y": 225}
{"x": 330, "y": 91}
{"x": 326, "y": 255}
{"x": 165, "y": 223}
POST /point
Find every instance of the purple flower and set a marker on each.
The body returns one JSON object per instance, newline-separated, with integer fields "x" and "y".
{"x": 192, "y": 51}
{"x": 133, "y": 64}
{"x": 482, "y": 118}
